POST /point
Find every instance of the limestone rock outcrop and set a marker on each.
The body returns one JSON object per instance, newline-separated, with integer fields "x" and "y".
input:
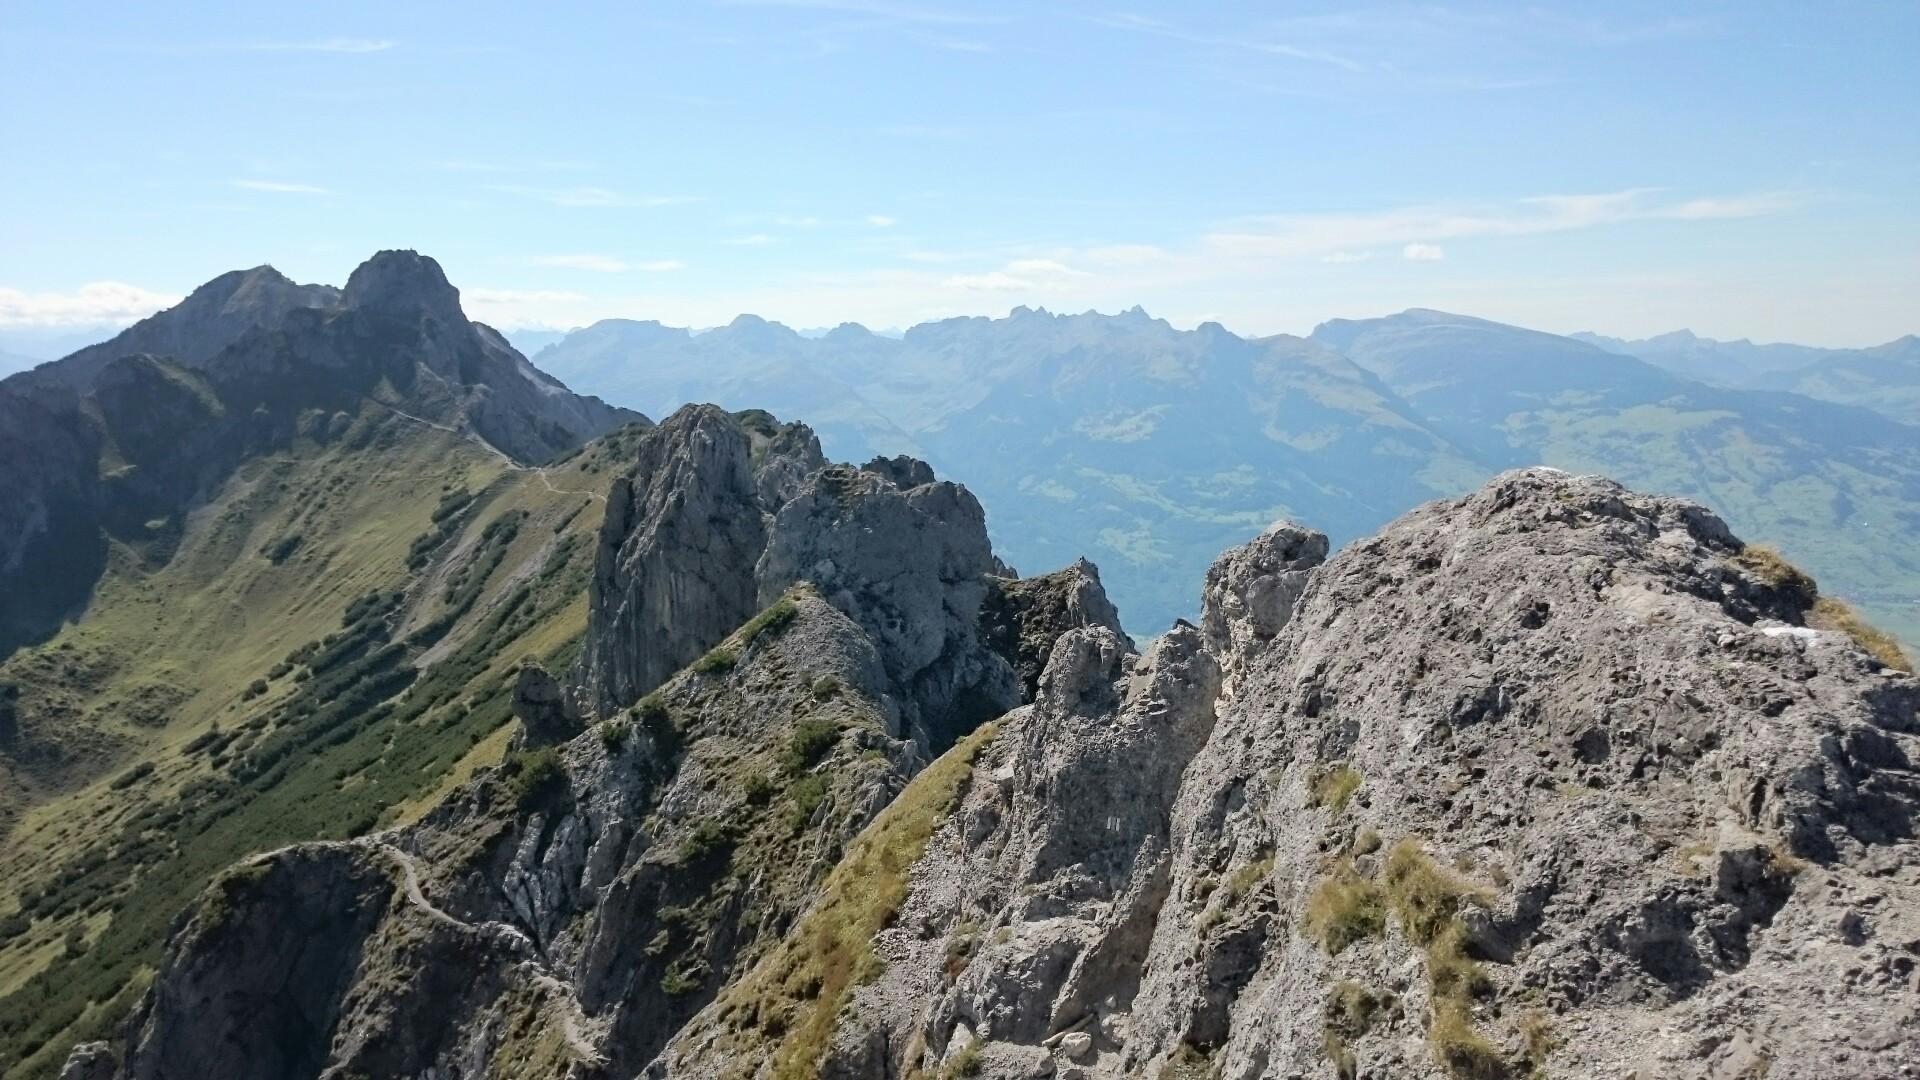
{"x": 1548, "y": 780}
{"x": 721, "y": 514}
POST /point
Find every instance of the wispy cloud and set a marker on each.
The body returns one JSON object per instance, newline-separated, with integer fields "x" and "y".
{"x": 99, "y": 303}
{"x": 1248, "y": 43}
{"x": 324, "y": 45}
{"x": 598, "y": 264}
{"x": 1346, "y": 256}
{"x": 881, "y": 221}
{"x": 1423, "y": 253}
{"x": 591, "y": 196}
{"x": 1324, "y": 235}
{"x": 606, "y": 264}
{"x": 496, "y": 167}
{"x": 1019, "y": 275}
{"x": 280, "y": 187}
{"x": 878, "y": 9}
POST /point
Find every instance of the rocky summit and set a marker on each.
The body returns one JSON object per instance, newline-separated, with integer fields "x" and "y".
{"x": 1550, "y": 780}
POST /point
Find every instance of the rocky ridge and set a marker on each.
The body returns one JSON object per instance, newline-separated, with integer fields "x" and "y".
{"x": 1551, "y": 779}
{"x": 571, "y": 908}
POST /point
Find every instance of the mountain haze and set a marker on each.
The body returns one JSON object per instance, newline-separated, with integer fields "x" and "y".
{"x": 1149, "y": 448}
{"x": 1885, "y": 378}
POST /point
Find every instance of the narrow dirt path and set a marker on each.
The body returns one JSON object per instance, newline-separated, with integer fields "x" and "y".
{"x": 561, "y": 997}
{"x": 505, "y": 459}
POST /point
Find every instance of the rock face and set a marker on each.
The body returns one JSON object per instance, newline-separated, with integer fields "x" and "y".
{"x": 1251, "y": 590}
{"x": 133, "y": 431}
{"x": 722, "y": 514}
{"x": 540, "y": 704}
{"x": 1538, "y": 781}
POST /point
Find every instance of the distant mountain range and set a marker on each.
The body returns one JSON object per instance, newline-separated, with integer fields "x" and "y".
{"x": 1885, "y": 378}
{"x": 1149, "y": 448}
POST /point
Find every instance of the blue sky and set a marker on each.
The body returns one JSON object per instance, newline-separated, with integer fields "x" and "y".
{"x": 1748, "y": 170}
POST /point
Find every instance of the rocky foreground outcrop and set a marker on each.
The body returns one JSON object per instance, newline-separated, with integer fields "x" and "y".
{"x": 1548, "y": 780}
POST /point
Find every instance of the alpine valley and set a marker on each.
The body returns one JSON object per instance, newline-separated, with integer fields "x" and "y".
{"x": 374, "y": 705}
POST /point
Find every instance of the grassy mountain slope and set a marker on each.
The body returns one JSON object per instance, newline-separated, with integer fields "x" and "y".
{"x": 332, "y": 640}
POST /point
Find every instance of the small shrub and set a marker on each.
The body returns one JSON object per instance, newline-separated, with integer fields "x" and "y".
{"x": 679, "y": 983}
{"x": 132, "y": 776}
{"x": 1366, "y": 841}
{"x": 709, "y": 841}
{"x": 657, "y": 720}
{"x": 613, "y": 735}
{"x": 826, "y": 687}
{"x": 1334, "y": 787}
{"x": 1344, "y": 908}
{"x": 1831, "y": 614}
{"x": 758, "y": 788}
{"x": 277, "y": 550}
{"x": 254, "y": 689}
{"x": 532, "y": 775}
{"x": 773, "y": 619}
{"x": 807, "y": 793}
{"x": 808, "y": 743}
{"x": 718, "y": 660}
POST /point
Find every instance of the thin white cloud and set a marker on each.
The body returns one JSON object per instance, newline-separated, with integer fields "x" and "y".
{"x": 280, "y": 187}
{"x": 599, "y": 264}
{"x": 992, "y": 281}
{"x": 1320, "y": 235}
{"x": 1423, "y": 253}
{"x": 591, "y": 197}
{"x": 351, "y": 45}
{"x": 1141, "y": 24}
{"x": 659, "y": 266}
{"x": 1346, "y": 256}
{"x": 98, "y": 303}
{"x": 879, "y": 9}
{"x": 752, "y": 240}
{"x": 495, "y": 167}
{"x": 1017, "y": 275}
{"x": 1043, "y": 268}
{"x": 881, "y": 221}
{"x": 525, "y": 308}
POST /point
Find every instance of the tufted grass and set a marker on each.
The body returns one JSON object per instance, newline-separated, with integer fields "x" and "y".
{"x": 1334, "y": 787}
{"x": 1344, "y": 908}
{"x": 1831, "y": 614}
{"x": 792, "y": 998}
